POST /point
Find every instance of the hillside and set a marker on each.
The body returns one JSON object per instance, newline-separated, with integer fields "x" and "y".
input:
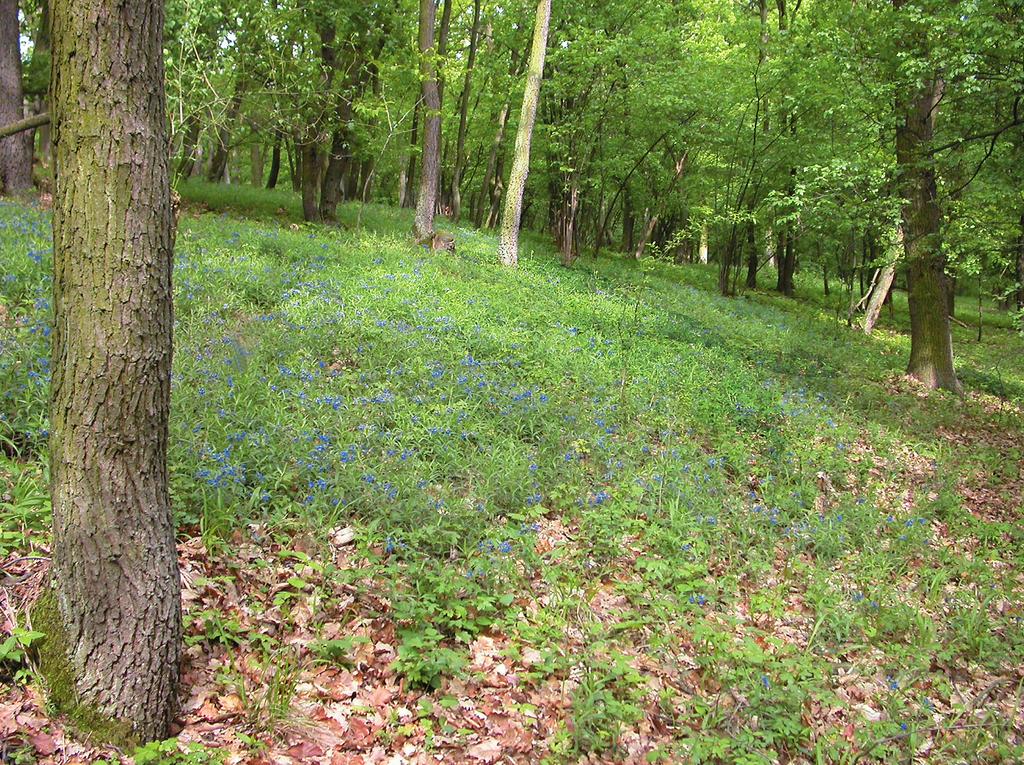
{"x": 431, "y": 510}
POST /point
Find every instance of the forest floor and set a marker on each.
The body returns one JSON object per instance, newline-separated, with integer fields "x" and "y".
{"x": 432, "y": 510}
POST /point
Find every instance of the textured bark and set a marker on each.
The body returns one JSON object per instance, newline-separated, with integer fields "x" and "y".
{"x": 508, "y": 243}
{"x": 430, "y": 158}
{"x": 460, "y": 146}
{"x": 115, "y": 564}
{"x": 703, "y": 247}
{"x": 15, "y": 150}
{"x": 337, "y": 168}
{"x": 931, "y": 343}
{"x": 275, "y": 163}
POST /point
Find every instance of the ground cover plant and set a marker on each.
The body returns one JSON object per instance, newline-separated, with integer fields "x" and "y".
{"x": 433, "y": 510}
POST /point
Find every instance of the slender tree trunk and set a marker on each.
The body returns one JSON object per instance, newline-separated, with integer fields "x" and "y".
{"x": 460, "y": 147}
{"x": 508, "y": 243}
{"x": 309, "y": 163}
{"x": 407, "y": 197}
{"x": 295, "y": 164}
{"x": 41, "y": 48}
{"x": 645, "y": 237}
{"x": 628, "y": 222}
{"x": 15, "y": 150}
{"x": 256, "y": 164}
{"x": 879, "y": 292}
{"x": 652, "y": 221}
{"x": 703, "y": 250}
{"x": 752, "y": 256}
{"x": 430, "y": 159}
{"x": 568, "y": 213}
{"x": 931, "y": 343}
{"x": 189, "y": 148}
{"x": 219, "y": 160}
{"x": 1020, "y": 266}
{"x": 275, "y": 163}
{"x": 115, "y": 563}
{"x": 492, "y": 189}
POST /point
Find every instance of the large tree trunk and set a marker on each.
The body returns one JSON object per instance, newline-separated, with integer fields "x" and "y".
{"x": 15, "y": 150}
{"x": 430, "y": 159}
{"x": 338, "y": 161}
{"x": 508, "y": 243}
{"x": 460, "y": 147}
{"x": 931, "y": 344}
{"x": 115, "y": 563}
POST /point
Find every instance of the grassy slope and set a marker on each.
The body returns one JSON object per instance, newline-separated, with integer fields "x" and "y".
{"x": 620, "y": 515}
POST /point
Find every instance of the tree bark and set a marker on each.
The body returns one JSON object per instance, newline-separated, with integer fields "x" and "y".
{"x": 41, "y": 50}
{"x": 309, "y": 163}
{"x": 430, "y": 158}
{"x": 256, "y": 164}
{"x": 275, "y": 163}
{"x": 508, "y": 242}
{"x": 1020, "y": 266}
{"x": 879, "y": 292}
{"x": 28, "y": 123}
{"x": 753, "y": 258}
{"x": 295, "y": 164}
{"x": 16, "y": 149}
{"x": 115, "y": 563}
{"x": 931, "y": 343}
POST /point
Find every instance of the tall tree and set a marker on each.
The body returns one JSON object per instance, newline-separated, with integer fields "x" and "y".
{"x": 15, "y": 150}
{"x": 430, "y": 158}
{"x": 508, "y": 243}
{"x": 115, "y": 563}
{"x": 931, "y": 343}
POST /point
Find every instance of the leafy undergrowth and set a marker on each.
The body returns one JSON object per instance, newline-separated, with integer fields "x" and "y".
{"x": 434, "y": 511}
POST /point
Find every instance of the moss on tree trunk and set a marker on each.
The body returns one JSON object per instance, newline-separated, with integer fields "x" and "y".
{"x": 115, "y": 563}
{"x": 508, "y": 244}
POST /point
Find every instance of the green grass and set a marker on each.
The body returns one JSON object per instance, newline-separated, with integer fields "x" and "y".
{"x": 721, "y": 515}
